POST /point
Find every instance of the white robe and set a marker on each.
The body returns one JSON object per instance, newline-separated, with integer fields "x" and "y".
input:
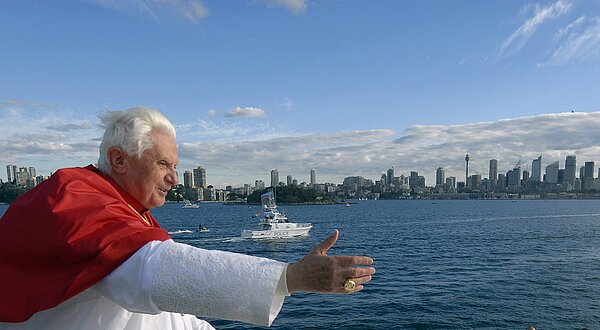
{"x": 164, "y": 284}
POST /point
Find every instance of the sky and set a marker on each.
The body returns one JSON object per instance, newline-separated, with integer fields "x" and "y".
{"x": 345, "y": 87}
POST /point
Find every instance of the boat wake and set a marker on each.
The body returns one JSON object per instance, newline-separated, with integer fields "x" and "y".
{"x": 185, "y": 231}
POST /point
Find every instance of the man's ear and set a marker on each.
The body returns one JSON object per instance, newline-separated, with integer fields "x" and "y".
{"x": 116, "y": 158}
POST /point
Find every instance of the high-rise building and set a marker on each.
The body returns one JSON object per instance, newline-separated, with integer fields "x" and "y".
{"x": 440, "y": 176}
{"x": 552, "y": 173}
{"x": 11, "y": 172}
{"x": 570, "y": 170}
{"x": 274, "y": 178}
{"x": 588, "y": 175}
{"x": 290, "y": 179}
{"x": 389, "y": 180}
{"x": 188, "y": 179}
{"x": 200, "y": 177}
{"x": 536, "y": 169}
{"x": 414, "y": 179}
{"x": 313, "y": 176}
{"x": 475, "y": 182}
{"x": 31, "y": 171}
{"x": 513, "y": 177}
{"x": 259, "y": 184}
{"x": 493, "y": 174}
{"x": 466, "y": 168}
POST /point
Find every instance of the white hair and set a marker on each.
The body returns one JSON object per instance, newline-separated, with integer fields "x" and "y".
{"x": 131, "y": 130}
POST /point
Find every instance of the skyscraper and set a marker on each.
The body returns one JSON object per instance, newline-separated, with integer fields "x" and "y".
{"x": 466, "y": 169}
{"x": 313, "y": 176}
{"x": 536, "y": 169}
{"x": 188, "y": 179}
{"x": 493, "y": 173}
{"x": 274, "y": 178}
{"x": 552, "y": 173}
{"x": 588, "y": 182}
{"x": 11, "y": 172}
{"x": 389, "y": 180}
{"x": 570, "y": 169}
{"x": 200, "y": 177}
{"x": 440, "y": 176}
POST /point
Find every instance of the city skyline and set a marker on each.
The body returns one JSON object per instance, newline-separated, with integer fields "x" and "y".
{"x": 343, "y": 87}
{"x": 197, "y": 177}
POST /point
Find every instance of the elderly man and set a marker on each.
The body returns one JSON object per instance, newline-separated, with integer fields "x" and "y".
{"x": 82, "y": 251}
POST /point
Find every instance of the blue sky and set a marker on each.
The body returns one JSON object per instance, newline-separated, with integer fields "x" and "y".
{"x": 345, "y": 87}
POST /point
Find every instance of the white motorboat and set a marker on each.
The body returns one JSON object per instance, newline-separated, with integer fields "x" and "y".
{"x": 274, "y": 224}
{"x": 189, "y": 205}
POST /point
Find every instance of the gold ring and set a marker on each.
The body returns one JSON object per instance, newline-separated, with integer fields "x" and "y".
{"x": 349, "y": 284}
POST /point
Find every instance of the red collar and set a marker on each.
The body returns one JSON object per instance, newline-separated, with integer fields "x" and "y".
{"x": 139, "y": 208}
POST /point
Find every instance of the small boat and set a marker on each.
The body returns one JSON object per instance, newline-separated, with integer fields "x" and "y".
{"x": 189, "y": 205}
{"x": 274, "y": 224}
{"x": 203, "y": 229}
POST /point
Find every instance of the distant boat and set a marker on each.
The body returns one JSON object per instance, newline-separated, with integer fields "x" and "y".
{"x": 203, "y": 229}
{"x": 274, "y": 224}
{"x": 347, "y": 205}
{"x": 189, "y": 205}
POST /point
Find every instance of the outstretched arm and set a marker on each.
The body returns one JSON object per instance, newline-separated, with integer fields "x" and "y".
{"x": 318, "y": 272}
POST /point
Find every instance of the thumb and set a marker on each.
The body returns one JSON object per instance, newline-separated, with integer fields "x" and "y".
{"x": 326, "y": 244}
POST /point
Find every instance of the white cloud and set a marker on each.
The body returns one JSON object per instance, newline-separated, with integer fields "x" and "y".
{"x": 238, "y": 153}
{"x": 189, "y": 10}
{"x": 420, "y": 148}
{"x": 517, "y": 40}
{"x": 579, "y": 45}
{"x": 249, "y": 112}
{"x": 211, "y": 112}
{"x": 564, "y": 31}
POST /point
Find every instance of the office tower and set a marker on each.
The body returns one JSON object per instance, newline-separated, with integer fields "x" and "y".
{"x": 588, "y": 175}
{"x": 259, "y": 184}
{"x": 451, "y": 182}
{"x": 501, "y": 181}
{"x": 466, "y": 168}
{"x": 440, "y": 176}
{"x": 188, "y": 179}
{"x": 313, "y": 176}
{"x": 493, "y": 174}
{"x": 11, "y": 172}
{"x": 414, "y": 179}
{"x": 552, "y": 173}
{"x": 200, "y": 177}
{"x": 475, "y": 181}
{"x": 536, "y": 169}
{"x": 570, "y": 169}
{"x": 31, "y": 171}
{"x": 513, "y": 177}
{"x": 290, "y": 179}
{"x": 274, "y": 178}
{"x": 390, "y": 177}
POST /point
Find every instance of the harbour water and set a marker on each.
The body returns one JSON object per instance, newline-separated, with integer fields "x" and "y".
{"x": 476, "y": 264}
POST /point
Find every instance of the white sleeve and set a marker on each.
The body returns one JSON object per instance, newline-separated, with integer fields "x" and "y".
{"x": 219, "y": 284}
{"x": 174, "y": 277}
{"x": 130, "y": 284}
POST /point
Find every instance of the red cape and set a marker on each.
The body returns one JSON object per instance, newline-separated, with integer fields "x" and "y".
{"x": 64, "y": 236}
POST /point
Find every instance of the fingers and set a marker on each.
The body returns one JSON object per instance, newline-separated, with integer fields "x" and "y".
{"x": 346, "y": 261}
{"x": 326, "y": 244}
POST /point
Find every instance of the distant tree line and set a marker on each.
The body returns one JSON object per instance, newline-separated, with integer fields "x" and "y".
{"x": 291, "y": 195}
{"x": 10, "y": 191}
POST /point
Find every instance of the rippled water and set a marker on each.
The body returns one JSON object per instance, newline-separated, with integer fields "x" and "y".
{"x": 440, "y": 265}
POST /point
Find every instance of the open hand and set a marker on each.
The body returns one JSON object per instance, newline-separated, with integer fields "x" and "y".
{"x": 318, "y": 272}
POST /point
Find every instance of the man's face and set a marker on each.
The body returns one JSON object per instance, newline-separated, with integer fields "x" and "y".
{"x": 149, "y": 179}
